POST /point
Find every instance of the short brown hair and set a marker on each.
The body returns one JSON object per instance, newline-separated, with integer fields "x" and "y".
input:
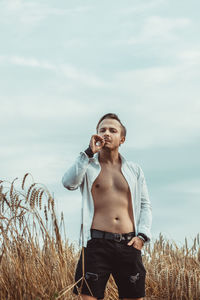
{"x": 113, "y": 116}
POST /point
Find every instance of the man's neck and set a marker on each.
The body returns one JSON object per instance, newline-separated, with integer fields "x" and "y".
{"x": 109, "y": 157}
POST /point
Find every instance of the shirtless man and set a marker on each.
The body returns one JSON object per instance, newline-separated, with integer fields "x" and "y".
{"x": 112, "y": 193}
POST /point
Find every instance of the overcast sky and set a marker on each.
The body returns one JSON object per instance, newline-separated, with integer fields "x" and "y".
{"x": 65, "y": 64}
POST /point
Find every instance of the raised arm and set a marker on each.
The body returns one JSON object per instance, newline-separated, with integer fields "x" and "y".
{"x": 74, "y": 176}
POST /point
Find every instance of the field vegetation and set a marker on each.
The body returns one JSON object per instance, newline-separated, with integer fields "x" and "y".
{"x": 38, "y": 262}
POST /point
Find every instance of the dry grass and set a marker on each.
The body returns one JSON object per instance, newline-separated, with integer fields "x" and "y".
{"x": 37, "y": 263}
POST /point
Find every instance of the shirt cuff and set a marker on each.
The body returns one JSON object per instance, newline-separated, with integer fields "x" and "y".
{"x": 89, "y": 152}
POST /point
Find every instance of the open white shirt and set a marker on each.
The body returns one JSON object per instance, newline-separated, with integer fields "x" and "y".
{"x": 83, "y": 172}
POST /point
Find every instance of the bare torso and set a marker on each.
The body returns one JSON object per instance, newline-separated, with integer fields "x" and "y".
{"x": 112, "y": 201}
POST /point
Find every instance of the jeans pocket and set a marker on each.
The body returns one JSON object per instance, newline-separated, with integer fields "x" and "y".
{"x": 91, "y": 242}
{"x": 135, "y": 249}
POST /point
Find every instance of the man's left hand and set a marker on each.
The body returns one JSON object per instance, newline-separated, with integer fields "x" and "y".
{"x": 136, "y": 242}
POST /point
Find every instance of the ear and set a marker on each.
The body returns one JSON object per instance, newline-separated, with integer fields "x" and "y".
{"x": 122, "y": 140}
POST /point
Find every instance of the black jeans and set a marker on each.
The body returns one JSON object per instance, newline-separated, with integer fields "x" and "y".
{"x": 103, "y": 257}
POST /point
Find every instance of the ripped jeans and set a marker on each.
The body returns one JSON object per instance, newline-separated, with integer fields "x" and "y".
{"x": 103, "y": 257}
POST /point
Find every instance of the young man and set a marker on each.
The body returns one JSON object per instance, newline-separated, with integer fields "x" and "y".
{"x": 116, "y": 215}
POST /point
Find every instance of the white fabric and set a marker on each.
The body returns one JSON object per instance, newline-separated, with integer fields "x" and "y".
{"x": 83, "y": 172}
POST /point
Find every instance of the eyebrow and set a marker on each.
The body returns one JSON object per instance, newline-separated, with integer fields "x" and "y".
{"x": 109, "y": 128}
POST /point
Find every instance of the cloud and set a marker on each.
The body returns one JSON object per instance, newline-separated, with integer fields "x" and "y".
{"x": 33, "y": 12}
{"x": 77, "y": 74}
{"x": 159, "y": 29}
{"x": 31, "y": 62}
{"x": 38, "y": 8}
{"x": 34, "y": 109}
{"x": 158, "y": 99}
{"x": 190, "y": 57}
{"x": 163, "y": 92}
{"x": 186, "y": 187}
{"x": 138, "y": 6}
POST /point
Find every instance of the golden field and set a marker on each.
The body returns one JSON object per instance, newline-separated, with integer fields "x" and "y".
{"x": 36, "y": 262}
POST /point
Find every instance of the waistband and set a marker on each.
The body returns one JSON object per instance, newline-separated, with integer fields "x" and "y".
{"x": 118, "y": 237}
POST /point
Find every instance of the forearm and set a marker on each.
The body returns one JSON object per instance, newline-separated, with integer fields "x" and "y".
{"x": 145, "y": 220}
{"x": 74, "y": 176}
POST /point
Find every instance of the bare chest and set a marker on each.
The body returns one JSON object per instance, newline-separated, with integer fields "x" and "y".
{"x": 110, "y": 179}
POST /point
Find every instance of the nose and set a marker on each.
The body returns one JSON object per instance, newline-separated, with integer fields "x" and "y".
{"x": 106, "y": 132}
{"x": 106, "y": 136}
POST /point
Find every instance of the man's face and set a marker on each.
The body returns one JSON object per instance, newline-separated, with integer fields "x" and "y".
{"x": 110, "y": 130}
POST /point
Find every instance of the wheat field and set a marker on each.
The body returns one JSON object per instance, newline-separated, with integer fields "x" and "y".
{"x": 37, "y": 262}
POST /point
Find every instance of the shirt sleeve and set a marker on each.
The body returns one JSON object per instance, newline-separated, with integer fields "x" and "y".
{"x": 145, "y": 220}
{"x": 74, "y": 175}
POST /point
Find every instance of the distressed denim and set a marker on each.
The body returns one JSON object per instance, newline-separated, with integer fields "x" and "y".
{"x": 105, "y": 257}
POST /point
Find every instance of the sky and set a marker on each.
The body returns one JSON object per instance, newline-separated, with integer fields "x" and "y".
{"x": 63, "y": 65}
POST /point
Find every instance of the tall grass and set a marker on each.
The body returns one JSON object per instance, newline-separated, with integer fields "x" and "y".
{"x": 36, "y": 262}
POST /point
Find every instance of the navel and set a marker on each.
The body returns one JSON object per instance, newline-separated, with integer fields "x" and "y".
{"x": 117, "y": 218}
{"x": 97, "y": 185}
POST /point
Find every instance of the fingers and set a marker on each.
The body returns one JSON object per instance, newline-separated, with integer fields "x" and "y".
{"x": 131, "y": 242}
{"x": 96, "y": 143}
{"x": 98, "y": 138}
{"x": 136, "y": 242}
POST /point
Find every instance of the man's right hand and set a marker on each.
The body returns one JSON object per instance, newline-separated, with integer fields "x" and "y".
{"x": 94, "y": 139}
